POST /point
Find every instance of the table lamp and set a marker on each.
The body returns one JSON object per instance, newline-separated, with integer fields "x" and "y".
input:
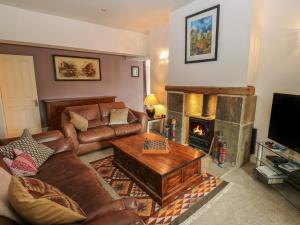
{"x": 150, "y": 101}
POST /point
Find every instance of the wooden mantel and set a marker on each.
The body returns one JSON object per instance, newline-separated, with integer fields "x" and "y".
{"x": 249, "y": 90}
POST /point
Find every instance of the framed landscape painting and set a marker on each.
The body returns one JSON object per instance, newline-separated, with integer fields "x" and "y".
{"x": 201, "y": 35}
{"x": 76, "y": 68}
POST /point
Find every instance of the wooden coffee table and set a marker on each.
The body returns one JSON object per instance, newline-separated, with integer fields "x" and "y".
{"x": 163, "y": 177}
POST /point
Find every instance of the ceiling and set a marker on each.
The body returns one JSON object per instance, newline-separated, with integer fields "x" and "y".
{"x": 134, "y": 15}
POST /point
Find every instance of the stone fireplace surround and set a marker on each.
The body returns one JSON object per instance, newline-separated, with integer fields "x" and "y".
{"x": 232, "y": 108}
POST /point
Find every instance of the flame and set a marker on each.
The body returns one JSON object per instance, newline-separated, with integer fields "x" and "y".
{"x": 199, "y": 131}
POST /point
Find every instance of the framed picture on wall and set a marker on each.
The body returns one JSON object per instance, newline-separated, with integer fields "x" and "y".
{"x": 201, "y": 35}
{"x": 75, "y": 68}
{"x": 135, "y": 71}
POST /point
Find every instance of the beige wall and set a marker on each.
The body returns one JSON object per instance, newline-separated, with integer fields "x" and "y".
{"x": 255, "y": 41}
{"x": 158, "y": 42}
{"x": 33, "y": 27}
{"x": 231, "y": 68}
{"x": 279, "y": 63}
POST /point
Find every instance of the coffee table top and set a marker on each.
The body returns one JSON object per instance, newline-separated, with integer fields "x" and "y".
{"x": 179, "y": 155}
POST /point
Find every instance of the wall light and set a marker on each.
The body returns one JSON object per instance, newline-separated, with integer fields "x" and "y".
{"x": 163, "y": 55}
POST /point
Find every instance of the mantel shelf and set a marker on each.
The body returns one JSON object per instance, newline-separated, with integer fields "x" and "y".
{"x": 249, "y": 90}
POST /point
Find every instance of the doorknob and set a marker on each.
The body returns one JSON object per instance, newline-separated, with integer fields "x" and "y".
{"x": 36, "y": 103}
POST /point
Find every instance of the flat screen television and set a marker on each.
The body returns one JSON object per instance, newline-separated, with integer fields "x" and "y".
{"x": 285, "y": 121}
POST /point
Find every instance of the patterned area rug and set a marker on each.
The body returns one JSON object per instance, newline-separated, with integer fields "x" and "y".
{"x": 151, "y": 212}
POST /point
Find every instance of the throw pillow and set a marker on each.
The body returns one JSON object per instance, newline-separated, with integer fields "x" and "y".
{"x": 118, "y": 116}
{"x": 42, "y": 204}
{"x": 131, "y": 117}
{"x": 39, "y": 152}
{"x": 79, "y": 122}
{"x": 7, "y": 150}
{"x": 22, "y": 165}
{"x": 5, "y": 208}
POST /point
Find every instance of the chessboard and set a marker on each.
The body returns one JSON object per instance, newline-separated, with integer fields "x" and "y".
{"x": 155, "y": 147}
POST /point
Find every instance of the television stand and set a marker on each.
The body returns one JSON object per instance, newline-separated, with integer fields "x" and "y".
{"x": 271, "y": 170}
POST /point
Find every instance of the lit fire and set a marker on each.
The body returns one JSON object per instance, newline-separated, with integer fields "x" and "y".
{"x": 199, "y": 131}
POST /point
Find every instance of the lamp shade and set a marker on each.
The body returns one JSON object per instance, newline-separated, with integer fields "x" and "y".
{"x": 150, "y": 100}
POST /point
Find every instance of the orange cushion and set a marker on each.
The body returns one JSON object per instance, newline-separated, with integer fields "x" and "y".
{"x": 42, "y": 204}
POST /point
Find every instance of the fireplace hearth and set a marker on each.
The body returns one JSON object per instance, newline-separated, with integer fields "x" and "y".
{"x": 201, "y": 132}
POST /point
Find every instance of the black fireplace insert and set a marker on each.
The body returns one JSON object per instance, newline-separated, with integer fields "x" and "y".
{"x": 201, "y": 132}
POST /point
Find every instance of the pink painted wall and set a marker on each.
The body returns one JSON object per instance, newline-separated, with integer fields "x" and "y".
{"x": 115, "y": 75}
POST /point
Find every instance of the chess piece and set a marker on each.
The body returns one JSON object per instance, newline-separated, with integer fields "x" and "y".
{"x": 173, "y": 129}
{"x": 167, "y": 128}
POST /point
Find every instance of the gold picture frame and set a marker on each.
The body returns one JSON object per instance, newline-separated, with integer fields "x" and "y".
{"x": 74, "y": 68}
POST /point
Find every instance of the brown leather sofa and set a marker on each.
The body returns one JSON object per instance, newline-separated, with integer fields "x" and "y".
{"x": 99, "y": 132}
{"x": 67, "y": 172}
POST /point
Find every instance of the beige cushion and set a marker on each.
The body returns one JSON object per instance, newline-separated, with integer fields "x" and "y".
{"x": 105, "y": 109}
{"x": 5, "y": 209}
{"x": 118, "y": 116}
{"x": 42, "y": 204}
{"x": 79, "y": 122}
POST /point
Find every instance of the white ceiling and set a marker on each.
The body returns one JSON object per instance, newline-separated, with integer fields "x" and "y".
{"x": 134, "y": 15}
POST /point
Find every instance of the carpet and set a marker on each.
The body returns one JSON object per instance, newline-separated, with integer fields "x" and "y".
{"x": 148, "y": 209}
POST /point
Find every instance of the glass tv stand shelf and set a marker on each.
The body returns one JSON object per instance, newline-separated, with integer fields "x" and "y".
{"x": 272, "y": 173}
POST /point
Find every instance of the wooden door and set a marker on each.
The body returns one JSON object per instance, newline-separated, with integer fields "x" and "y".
{"x": 19, "y": 94}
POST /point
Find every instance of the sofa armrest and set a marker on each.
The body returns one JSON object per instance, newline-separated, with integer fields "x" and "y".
{"x": 55, "y": 139}
{"x": 61, "y": 145}
{"x": 69, "y": 130}
{"x": 40, "y": 137}
{"x": 48, "y": 136}
{"x": 143, "y": 120}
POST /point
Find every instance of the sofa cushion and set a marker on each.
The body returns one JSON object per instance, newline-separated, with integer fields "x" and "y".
{"x": 79, "y": 121}
{"x": 42, "y": 204}
{"x": 95, "y": 123}
{"x": 106, "y": 107}
{"x": 22, "y": 165}
{"x": 125, "y": 129}
{"x": 90, "y": 112}
{"x": 75, "y": 179}
{"x": 5, "y": 208}
{"x": 100, "y": 133}
{"x": 118, "y": 116}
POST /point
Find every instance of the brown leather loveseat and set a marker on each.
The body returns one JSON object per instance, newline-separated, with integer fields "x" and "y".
{"x": 69, "y": 174}
{"x": 99, "y": 131}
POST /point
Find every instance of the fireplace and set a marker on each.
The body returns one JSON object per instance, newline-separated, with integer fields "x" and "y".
{"x": 231, "y": 109}
{"x": 201, "y": 132}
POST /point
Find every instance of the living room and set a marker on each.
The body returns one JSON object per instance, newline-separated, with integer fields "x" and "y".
{"x": 149, "y": 112}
